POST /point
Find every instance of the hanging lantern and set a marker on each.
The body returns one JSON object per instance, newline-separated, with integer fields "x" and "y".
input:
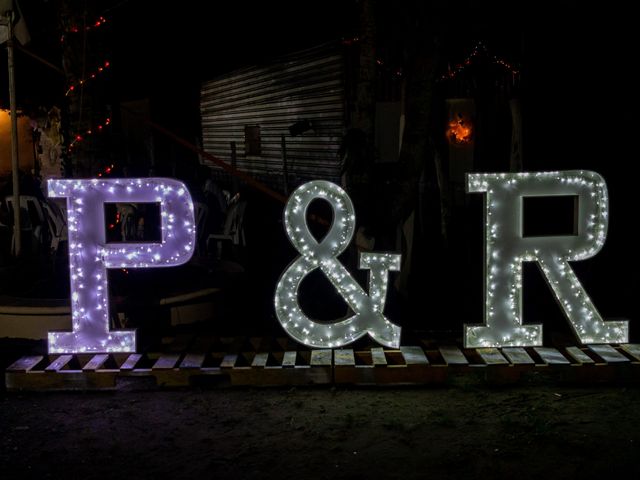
{"x": 460, "y": 134}
{"x": 460, "y": 129}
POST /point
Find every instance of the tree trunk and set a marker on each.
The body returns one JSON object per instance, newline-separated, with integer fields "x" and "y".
{"x": 364, "y": 109}
{"x": 515, "y": 163}
{"x": 415, "y": 152}
{"x": 417, "y": 157}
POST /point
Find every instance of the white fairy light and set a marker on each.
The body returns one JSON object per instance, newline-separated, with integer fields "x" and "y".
{"x": 506, "y": 248}
{"x": 90, "y": 255}
{"x": 368, "y": 309}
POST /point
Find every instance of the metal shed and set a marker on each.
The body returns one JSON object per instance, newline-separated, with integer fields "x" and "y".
{"x": 255, "y": 106}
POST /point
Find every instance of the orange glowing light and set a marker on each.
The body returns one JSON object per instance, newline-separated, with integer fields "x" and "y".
{"x": 459, "y": 131}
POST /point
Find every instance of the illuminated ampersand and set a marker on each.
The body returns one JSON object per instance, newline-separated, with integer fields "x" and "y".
{"x": 368, "y": 308}
{"x": 90, "y": 256}
{"x": 506, "y": 248}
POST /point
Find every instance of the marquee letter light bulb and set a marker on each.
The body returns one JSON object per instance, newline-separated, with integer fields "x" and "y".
{"x": 506, "y": 248}
{"x": 90, "y": 256}
{"x": 368, "y": 308}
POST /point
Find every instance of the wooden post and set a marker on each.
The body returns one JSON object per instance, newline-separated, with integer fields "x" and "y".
{"x": 234, "y": 164}
{"x": 285, "y": 172}
{"x": 15, "y": 165}
{"x": 515, "y": 161}
{"x": 460, "y": 136}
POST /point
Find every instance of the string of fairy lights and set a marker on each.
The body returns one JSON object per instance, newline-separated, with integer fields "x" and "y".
{"x": 77, "y": 85}
{"x": 91, "y": 131}
{"x": 98, "y": 22}
{"x": 379, "y": 62}
{"x": 480, "y": 50}
{"x": 91, "y": 76}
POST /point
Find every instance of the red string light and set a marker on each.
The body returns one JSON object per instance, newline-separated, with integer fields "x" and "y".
{"x": 99, "y": 22}
{"x": 90, "y": 76}
{"x": 350, "y": 41}
{"x": 107, "y": 171}
{"x": 99, "y": 128}
{"x": 353, "y": 40}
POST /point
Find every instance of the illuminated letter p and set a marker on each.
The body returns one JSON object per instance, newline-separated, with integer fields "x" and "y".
{"x": 90, "y": 255}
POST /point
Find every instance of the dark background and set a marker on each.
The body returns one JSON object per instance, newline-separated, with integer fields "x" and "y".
{"x": 577, "y": 89}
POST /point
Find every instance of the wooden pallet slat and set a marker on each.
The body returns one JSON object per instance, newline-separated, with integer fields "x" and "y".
{"x": 289, "y": 359}
{"x": 96, "y": 362}
{"x": 260, "y": 360}
{"x": 343, "y": 358}
{"x": 378, "y": 358}
{"x": 453, "y": 356}
{"x": 166, "y": 362}
{"x": 251, "y": 362}
{"x": 192, "y": 360}
{"x": 518, "y": 356}
{"x": 632, "y": 349}
{"x": 229, "y": 361}
{"x": 25, "y": 364}
{"x": 414, "y": 356}
{"x": 321, "y": 358}
{"x": 131, "y": 362}
{"x": 579, "y": 356}
{"x": 551, "y": 356}
{"x": 608, "y": 353}
{"x": 59, "y": 363}
{"x": 492, "y": 356}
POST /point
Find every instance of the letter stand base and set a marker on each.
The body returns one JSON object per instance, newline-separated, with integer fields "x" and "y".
{"x": 243, "y": 361}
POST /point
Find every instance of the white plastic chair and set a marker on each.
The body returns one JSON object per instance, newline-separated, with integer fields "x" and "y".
{"x": 233, "y": 228}
{"x": 127, "y": 221}
{"x": 30, "y": 207}
{"x": 201, "y": 212}
{"x": 57, "y": 225}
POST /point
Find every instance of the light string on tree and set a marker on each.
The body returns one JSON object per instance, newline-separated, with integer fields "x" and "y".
{"x": 99, "y": 22}
{"x": 107, "y": 171}
{"x": 91, "y": 76}
{"x": 92, "y": 131}
{"x": 81, "y": 79}
{"x": 379, "y": 62}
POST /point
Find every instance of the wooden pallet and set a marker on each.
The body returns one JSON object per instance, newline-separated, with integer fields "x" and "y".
{"x": 274, "y": 362}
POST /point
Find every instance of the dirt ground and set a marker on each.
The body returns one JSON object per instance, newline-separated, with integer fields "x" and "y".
{"x": 539, "y": 431}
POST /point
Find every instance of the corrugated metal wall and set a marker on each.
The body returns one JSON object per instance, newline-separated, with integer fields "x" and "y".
{"x": 307, "y": 85}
